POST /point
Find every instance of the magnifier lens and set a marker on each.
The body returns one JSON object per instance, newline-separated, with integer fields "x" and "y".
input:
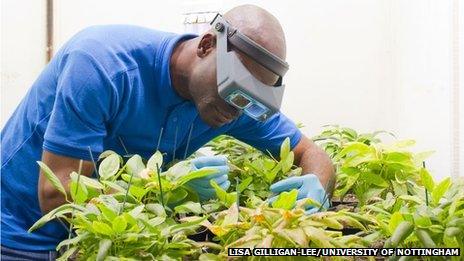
{"x": 256, "y": 110}
{"x": 250, "y": 106}
{"x": 240, "y": 101}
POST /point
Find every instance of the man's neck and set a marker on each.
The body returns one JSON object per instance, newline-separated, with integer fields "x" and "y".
{"x": 180, "y": 67}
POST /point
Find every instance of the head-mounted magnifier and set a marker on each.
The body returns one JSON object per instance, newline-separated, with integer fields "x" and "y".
{"x": 235, "y": 83}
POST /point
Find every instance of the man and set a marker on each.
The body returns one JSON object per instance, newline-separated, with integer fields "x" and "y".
{"x": 131, "y": 90}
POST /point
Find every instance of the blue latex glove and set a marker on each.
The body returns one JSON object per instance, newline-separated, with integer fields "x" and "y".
{"x": 308, "y": 186}
{"x": 202, "y": 185}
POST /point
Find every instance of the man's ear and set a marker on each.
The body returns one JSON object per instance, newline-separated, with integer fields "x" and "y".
{"x": 206, "y": 45}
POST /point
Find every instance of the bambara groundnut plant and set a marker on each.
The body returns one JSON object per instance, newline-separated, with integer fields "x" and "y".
{"x": 144, "y": 209}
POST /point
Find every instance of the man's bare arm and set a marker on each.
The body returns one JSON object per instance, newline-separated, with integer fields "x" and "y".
{"x": 49, "y": 197}
{"x": 313, "y": 159}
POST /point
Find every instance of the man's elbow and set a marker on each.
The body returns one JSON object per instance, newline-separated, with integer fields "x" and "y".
{"x": 49, "y": 197}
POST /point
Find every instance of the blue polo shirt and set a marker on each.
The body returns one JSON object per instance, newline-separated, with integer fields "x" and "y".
{"x": 108, "y": 88}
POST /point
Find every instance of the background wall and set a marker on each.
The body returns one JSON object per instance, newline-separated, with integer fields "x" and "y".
{"x": 385, "y": 64}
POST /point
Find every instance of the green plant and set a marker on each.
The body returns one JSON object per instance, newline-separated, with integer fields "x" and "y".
{"x": 254, "y": 170}
{"x": 136, "y": 210}
{"x": 121, "y": 218}
{"x": 429, "y": 216}
{"x": 276, "y": 227}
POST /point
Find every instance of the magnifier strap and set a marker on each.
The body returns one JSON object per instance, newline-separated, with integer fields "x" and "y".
{"x": 257, "y": 53}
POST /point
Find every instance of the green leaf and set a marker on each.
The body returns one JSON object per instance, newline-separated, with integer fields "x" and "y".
{"x": 52, "y": 178}
{"x": 398, "y": 156}
{"x": 270, "y": 175}
{"x": 156, "y": 209}
{"x": 70, "y": 241}
{"x": 285, "y": 148}
{"x": 135, "y": 213}
{"x": 414, "y": 199}
{"x": 422, "y": 156}
{"x": 318, "y": 237}
{"x": 134, "y": 180}
{"x": 422, "y": 221}
{"x": 155, "y": 159}
{"x": 244, "y": 184}
{"x": 425, "y": 238}
{"x": 195, "y": 175}
{"x": 78, "y": 192}
{"x": 89, "y": 182}
{"x": 105, "y": 154}
{"x": 66, "y": 255}
{"x": 286, "y": 200}
{"x": 453, "y": 231}
{"x": 107, "y": 213}
{"x": 440, "y": 190}
{"x": 113, "y": 185}
{"x": 102, "y": 228}
{"x": 371, "y": 178}
{"x": 231, "y": 216}
{"x": 135, "y": 165}
{"x": 179, "y": 170}
{"x": 176, "y": 195}
{"x": 189, "y": 207}
{"x": 426, "y": 179}
{"x": 395, "y": 219}
{"x": 404, "y": 143}
{"x": 287, "y": 162}
{"x": 156, "y": 221}
{"x": 119, "y": 224}
{"x": 103, "y": 247}
{"x": 137, "y": 192}
{"x": 226, "y": 198}
{"x": 109, "y": 166}
{"x": 402, "y": 231}
{"x": 57, "y": 212}
{"x": 210, "y": 257}
{"x": 350, "y": 133}
{"x": 354, "y": 148}
{"x": 192, "y": 223}
{"x": 350, "y": 181}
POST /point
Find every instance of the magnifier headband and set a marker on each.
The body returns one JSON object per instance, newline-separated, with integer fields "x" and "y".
{"x": 235, "y": 83}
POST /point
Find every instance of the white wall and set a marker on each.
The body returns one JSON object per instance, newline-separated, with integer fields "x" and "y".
{"x": 22, "y": 50}
{"x": 421, "y": 95}
{"x": 384, "y": 64}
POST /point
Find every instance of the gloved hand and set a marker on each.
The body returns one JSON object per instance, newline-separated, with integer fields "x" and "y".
{"x": 202, "y": 185}
{"x": 308, "y": 186}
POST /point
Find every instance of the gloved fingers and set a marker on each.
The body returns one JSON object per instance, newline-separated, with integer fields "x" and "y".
{"x": 302, "y": 194}
{"x": 225, "y": 185}
{"x": 204, "y": 182}
{"x": 325, "y": 201}
{"x": 219, "y": 171}
{"x": 311, "y": 178}
{"x": 287, "y": 184}
{"x": 209, "y": 193}
{"x": 208, "y": 161}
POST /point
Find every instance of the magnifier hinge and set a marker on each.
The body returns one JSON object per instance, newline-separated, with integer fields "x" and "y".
{"x": 219, "y": 27}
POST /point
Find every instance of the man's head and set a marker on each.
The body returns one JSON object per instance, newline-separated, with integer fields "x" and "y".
{"x": 257, "y": 24}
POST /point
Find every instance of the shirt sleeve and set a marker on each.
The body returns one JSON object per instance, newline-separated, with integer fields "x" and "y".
{"x": 83, "y": 105}
{"x": 268, "y": 135}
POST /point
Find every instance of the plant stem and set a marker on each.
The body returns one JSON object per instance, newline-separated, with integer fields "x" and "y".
{"x": 161, "y": 187}
{"x": 127, "y": 192}
{"x": 75, "y": 192}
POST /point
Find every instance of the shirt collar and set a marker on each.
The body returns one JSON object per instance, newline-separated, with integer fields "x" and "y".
{"x": 163, "y": 60}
